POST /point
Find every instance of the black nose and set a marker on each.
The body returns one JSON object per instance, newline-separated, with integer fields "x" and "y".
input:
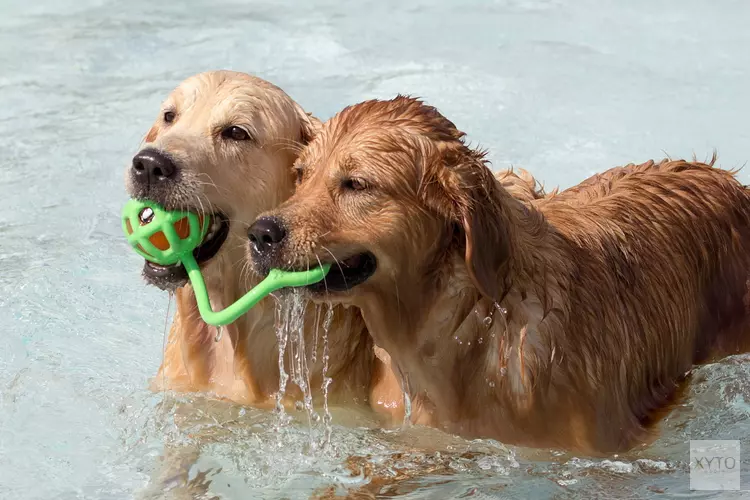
{"x": 152, "y": 166}
{"x": 266, "y": 234}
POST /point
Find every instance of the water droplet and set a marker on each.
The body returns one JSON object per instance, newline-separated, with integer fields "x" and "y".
{"x": 407, "y": 404}
{"x": 314, "y": 356}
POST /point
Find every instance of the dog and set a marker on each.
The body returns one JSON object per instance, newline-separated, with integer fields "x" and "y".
{"x": 223, "y": 145}
{"x": 570, "y": 320}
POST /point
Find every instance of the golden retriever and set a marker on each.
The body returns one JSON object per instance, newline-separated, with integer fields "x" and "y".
{"x": 566, "y": 321}
{"x": 223, "y": 144}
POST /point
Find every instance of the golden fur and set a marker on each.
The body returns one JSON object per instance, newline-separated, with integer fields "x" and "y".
{"x": 242, "y": 180}
{"x": 562, "y": 321}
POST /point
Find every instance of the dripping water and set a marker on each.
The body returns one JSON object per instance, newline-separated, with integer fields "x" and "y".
{"x": 299, "y": 368}
{"x": 294, "y": 365}
{"x": 407, "y": 403}
{"x": 326, "y": 379}
{"x": 293, "y": 362}
{"x": 281, "y": 313}
{"x": 314, "y": 357}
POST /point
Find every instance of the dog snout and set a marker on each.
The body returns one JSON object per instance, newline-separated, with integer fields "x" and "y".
{"x": 152, "y": 167}
{"x": 266, "y": 234}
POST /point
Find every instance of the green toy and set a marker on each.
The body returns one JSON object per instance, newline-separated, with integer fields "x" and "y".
{"x": 167, "y": 237}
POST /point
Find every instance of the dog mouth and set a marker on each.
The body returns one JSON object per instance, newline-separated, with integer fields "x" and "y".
{"x": 346, "y": 274}
{"x": 176, "y": 275}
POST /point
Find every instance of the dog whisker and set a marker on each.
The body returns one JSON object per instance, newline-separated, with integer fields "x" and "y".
{"x": 325, "y": 280}
{"x": 337, "y": 263}
{"x": 211, "y": 183}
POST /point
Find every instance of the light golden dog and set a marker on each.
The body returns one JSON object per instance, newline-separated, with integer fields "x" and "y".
{"x": 223, "y": 145}
{"x": 567, "y": 321}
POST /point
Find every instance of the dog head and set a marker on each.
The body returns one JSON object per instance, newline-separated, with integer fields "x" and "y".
{"x": 222, "y": 145}
{"x": 391, "y": 196}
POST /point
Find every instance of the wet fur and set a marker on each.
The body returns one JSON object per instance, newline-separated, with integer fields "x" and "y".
{"x": 568, "y": 321}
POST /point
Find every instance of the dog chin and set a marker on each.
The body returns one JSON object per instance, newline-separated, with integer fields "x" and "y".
{"x": 345, "y": 298}
{"x": 166, "y": 278}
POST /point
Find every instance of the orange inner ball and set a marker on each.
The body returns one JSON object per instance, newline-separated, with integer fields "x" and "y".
{"x": 159, "y": 240}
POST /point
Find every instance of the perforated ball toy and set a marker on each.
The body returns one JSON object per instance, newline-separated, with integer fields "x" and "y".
{"x": 168, "y": 237}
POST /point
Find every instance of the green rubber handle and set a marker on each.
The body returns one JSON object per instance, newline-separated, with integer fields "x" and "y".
{"x": 275, "y": 280}
{"x": 152, "y": 232}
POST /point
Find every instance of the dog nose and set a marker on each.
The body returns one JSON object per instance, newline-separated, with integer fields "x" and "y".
{"x": 153, "y": 166}
{"x": 266, "y": 234}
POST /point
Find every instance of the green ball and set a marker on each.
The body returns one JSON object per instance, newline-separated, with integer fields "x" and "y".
{"x": 162, "y": 236}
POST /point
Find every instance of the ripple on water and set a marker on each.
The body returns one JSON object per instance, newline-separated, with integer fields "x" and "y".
{"x": 81, "y": 82}
{"x": 215, "y": 448}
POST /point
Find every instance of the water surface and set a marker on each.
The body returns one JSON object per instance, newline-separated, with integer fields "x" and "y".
{"x": 563, "y": 88}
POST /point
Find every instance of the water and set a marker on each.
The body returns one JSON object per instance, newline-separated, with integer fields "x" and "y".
{"x": 294, "y": 367}
{"x": 327, "y": 418}
{"x": 561, "y": 87}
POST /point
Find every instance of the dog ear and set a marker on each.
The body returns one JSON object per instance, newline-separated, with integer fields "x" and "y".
{"x": 309, "y": 125}
{"x": 476, "y": 206}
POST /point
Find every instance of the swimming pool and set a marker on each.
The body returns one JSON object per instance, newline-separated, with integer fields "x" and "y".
{"x": 559, "y": 87}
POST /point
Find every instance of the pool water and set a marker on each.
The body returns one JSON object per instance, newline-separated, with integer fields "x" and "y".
{"x": 563, "y": 88}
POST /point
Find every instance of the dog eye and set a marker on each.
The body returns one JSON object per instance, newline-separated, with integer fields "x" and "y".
{"x": 169, "y": 116}
{"x": 235, "y": 134}
{"x": 300, "y": 173}
{"x": 354, "y": 184}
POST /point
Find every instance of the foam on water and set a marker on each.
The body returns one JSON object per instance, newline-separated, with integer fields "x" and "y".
{"x": 563, "y": 88}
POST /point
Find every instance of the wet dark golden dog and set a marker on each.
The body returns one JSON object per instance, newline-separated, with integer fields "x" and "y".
{"x": 567, "y": 321}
